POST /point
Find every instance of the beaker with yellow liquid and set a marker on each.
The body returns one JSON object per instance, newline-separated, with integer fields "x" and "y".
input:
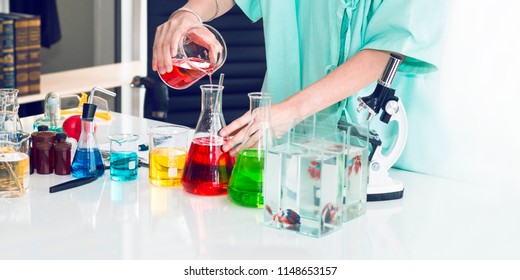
{"x": 14, "y": 163}
{"x": 168, "y": 151}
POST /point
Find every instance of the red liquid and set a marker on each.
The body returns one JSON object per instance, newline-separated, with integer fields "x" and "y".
{"x": 184, "y": 75}
{"x": 207, "y": 169}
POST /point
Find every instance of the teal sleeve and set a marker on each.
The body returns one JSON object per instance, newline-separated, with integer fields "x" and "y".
{"x": 251, "y": 8}
{"x": 413, "y": 28}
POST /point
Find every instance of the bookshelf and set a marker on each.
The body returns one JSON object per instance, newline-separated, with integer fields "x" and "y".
{"x": 131, "y": 17}
{"x": 20, "y": 48}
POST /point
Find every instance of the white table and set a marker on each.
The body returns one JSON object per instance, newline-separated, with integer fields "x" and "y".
{"x": 436, "y": 219}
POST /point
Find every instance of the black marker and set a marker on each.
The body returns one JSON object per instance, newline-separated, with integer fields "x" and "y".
{"x": 71, "y": 184}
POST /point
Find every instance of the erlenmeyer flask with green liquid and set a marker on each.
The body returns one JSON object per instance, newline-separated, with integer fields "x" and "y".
{"x": 245, "y": 185}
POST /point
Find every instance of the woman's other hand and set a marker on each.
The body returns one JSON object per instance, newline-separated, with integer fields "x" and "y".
{"x": 237, "y": 131}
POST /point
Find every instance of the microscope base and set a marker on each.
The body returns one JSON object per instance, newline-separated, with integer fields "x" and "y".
{"x": 385, "y": 192}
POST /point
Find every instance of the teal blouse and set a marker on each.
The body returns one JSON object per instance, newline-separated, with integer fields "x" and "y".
{"x": 307, "y": 39}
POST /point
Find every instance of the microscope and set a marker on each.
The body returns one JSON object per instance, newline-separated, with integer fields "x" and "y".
{"x": 380, "y": 185}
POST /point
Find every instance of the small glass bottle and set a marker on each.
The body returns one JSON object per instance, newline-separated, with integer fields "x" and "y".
{"x": 44, "y": 155}
{"x": 62, "y": 155}
{"x": 87, "y": 159}
{"x": 52, "y": 113}
{"x": 42, "y": 135}
{"x": 245, "y": 185}
{"x": 208, "y": 168}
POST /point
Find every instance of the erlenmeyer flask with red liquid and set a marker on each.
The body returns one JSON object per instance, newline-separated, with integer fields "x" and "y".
{"x": 208, "y": 168}
{"x": 201, "y": 51}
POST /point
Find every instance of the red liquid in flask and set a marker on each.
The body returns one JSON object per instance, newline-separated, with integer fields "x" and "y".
{"x": 207, "y": 169}
{"x": 184, "y": 75}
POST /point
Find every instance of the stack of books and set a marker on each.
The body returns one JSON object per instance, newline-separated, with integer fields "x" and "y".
{"x": 20, "y": 52}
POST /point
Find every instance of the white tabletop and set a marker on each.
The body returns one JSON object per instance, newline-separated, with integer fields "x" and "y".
{"x": 436, "y": 219}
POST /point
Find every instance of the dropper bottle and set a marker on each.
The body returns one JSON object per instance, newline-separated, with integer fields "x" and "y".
{"x": 87, "y": 159}
{"x": 52, "y": 113}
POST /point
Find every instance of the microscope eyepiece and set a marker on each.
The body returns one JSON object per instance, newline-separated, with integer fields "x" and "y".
{"x": 388, "y": 75}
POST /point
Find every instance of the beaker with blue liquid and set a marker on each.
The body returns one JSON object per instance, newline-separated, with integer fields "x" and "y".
{"x": 123, "y": 157}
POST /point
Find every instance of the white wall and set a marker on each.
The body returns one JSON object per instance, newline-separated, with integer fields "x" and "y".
{"x": 133, "y": 30}
{"x": 74, "y": 50}
{"x": 133, "y": 47}
{"x": 480, "y": 92}
{"x": 104, "y": 32}
{"x": 4, "y": 6}
{"x": 87, "y": 29}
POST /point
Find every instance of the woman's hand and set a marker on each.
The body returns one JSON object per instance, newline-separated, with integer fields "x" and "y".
{"x": 238, "y": 130}
{"x": 202, "y": 36}
{"x": 167, "y": 38}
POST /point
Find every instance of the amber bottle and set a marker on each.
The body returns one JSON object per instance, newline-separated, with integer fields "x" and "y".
{"x": 62, "y": 155}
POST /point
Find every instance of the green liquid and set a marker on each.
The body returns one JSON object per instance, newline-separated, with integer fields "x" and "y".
{"x": 245, "y": 185}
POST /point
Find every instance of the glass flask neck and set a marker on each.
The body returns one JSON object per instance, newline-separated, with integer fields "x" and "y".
{"x": 259, "y": 123}
{"x": 260, "y": 106}
{"x": 211, "y": 119}
{"x": 211, "y": 98}
{"x": 87, "y": 138}
{"x": 87, "y": 126}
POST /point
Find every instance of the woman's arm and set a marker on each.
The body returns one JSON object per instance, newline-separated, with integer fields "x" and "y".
{"x": 208, "y": 10}
{"x": 350, "y": 77}
{"x": 168, "y": 34}
{"x": 353, "y": 75}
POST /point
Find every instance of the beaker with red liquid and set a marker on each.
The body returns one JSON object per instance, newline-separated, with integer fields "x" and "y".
{"x": 207, "y": 169}
{"x": 184, "y": 74}
{"x": 201, "y": 52}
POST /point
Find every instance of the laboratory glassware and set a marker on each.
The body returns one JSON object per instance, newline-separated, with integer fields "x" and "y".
{"x": 42, "y": 135}
{"x": 14, "y": 163}
{"x": 245, "y": 185}
{"x": 87, "y": 159}
{"x": 52, "y": 113}
{"x": 168, "y": 145}
{"x": 201, "y": 51}
{"x": 123, "y": 157}
{"x": 303, "y": 178}
{"x": 44, "y": 155}
{"x": 62, "y": 155}
{"x": 208, "y": 168}
{"x": 9, "y": 118}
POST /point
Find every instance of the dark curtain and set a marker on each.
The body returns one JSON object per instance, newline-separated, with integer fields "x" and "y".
{"x": 48, "y": 12}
